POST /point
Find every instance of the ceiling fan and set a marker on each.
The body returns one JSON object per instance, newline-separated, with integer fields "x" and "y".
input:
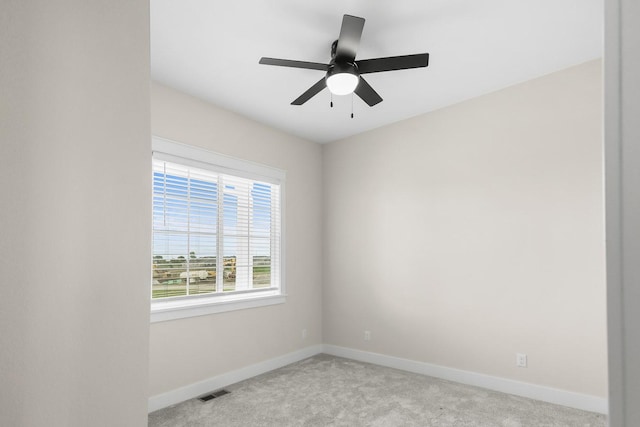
{"x": 343, "y": 72}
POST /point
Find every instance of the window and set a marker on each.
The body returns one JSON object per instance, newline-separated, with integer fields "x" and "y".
{"x": 217, "y": 233}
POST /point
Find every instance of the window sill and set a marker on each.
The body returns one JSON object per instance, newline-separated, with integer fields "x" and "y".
{"x": 180, "y": 309}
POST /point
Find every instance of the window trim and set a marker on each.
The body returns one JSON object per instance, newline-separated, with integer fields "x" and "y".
{"x": 199, "y": 305}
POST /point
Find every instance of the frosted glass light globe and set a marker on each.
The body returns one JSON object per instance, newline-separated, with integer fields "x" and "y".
{"x": 342, "y": 83}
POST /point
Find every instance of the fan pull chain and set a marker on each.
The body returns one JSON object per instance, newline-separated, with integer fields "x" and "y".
{"x": 331, "y": 103}
{"x": 352, "y": 105}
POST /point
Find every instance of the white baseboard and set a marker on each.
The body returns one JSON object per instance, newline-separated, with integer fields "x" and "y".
{"x": 532, "y": 391}
{"x": 197, "y": 389}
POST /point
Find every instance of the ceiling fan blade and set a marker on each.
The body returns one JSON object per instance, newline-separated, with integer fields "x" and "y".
{"x": 391, "y": 63}
{"x": 349, "y": 38}
{"x": 294, "y": 64}
{"x": 311, "y": 92}
{"x": 366, "y": 92}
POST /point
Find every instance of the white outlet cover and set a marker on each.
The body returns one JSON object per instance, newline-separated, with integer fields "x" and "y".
{"x": 521, "y": 360}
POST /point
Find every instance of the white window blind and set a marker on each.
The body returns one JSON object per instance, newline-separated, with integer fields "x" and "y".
{"x": 214, "y": 233}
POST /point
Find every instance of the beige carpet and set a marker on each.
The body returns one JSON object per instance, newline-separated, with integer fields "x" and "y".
{"x": 331, "y": 391}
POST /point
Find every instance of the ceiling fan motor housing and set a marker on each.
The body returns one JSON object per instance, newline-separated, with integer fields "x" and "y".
{"x": 342, "y": 67}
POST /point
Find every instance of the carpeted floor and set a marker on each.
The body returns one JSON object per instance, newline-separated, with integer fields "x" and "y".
{"x": 331, "y": 391}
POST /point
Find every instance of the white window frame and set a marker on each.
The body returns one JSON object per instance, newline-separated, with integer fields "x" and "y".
{"x": 199, "y": 305}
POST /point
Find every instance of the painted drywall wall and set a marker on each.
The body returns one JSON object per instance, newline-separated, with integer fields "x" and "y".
{"x": 186, "y": 351}
{"x": 622, "y": 154}
{"x": 74, "y": 245}
{"x": 466, "y": 235}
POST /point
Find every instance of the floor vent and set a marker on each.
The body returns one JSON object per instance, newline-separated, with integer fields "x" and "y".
{"x": 213, "y": 395}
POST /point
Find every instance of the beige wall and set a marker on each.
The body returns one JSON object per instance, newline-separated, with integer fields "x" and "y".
{"x": 74, "y": 243}
{"x": 189, "y": 350}
{"x": 465, "y": 235}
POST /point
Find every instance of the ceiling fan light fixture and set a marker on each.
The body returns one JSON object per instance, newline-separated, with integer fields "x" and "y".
{"x": 342, "y": 83}
{"x": 342, "y": 79}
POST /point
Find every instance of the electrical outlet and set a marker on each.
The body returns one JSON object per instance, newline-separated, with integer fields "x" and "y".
{"x": 367, "y": 335}
{"x": 521, "y": 360}
{"x": 304, "y": 334}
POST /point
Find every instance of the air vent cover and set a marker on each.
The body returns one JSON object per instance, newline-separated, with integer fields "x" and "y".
{"x": 208, "y": 397}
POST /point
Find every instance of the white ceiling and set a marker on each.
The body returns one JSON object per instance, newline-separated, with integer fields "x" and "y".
{"x": 210, "y": 49}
